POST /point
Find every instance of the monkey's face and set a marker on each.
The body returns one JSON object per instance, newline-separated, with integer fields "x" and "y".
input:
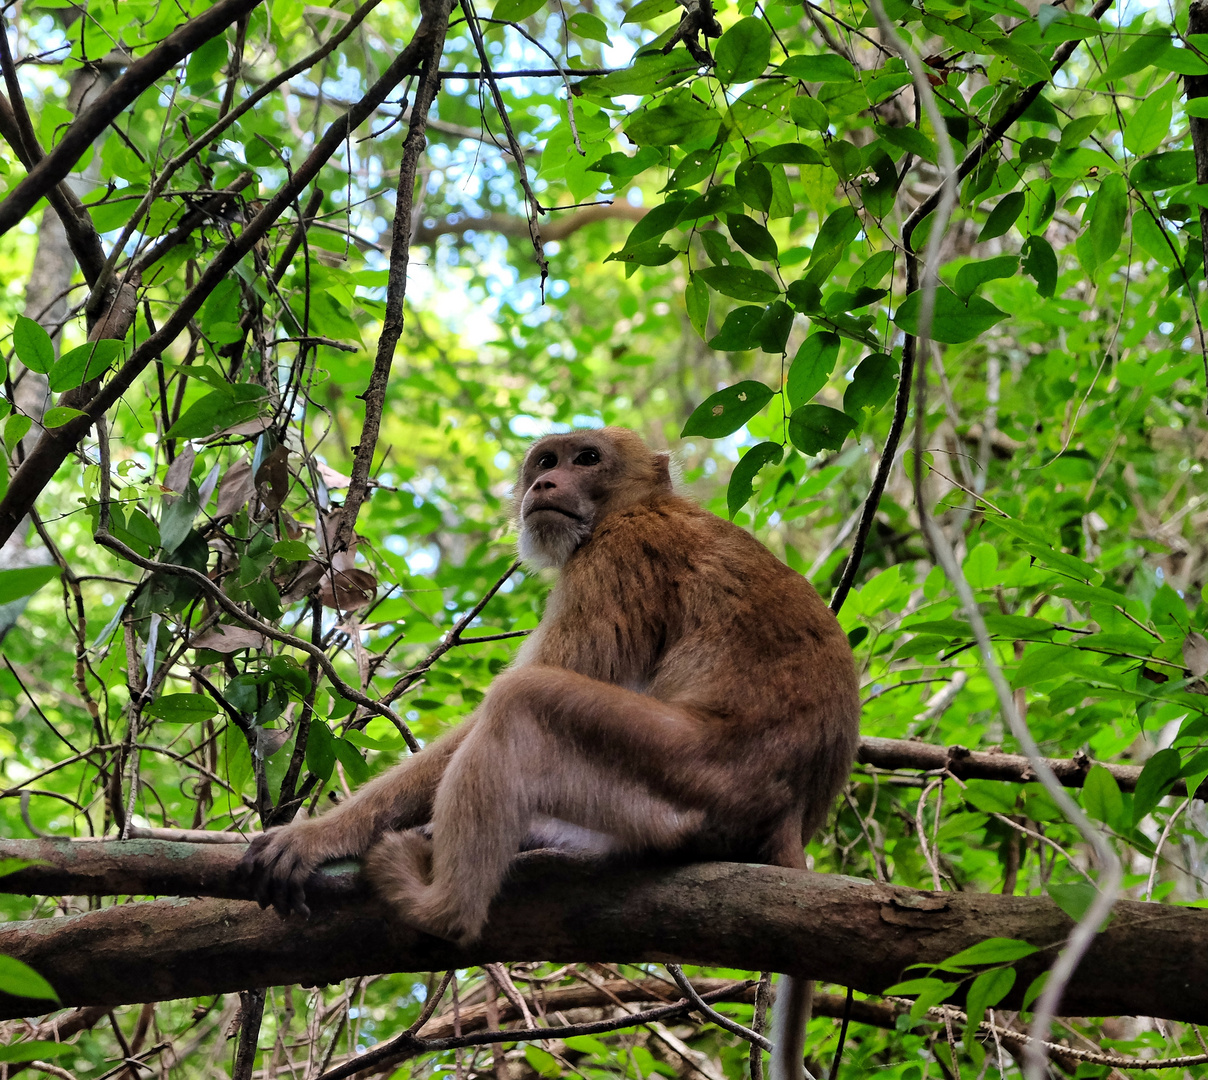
{"x": 561, "y": 484}
{"x": 569, "y": 482}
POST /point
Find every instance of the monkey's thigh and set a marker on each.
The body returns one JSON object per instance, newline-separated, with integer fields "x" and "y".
{"x": 596, "y": 755}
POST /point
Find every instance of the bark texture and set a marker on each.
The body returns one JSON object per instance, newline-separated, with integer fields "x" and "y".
{"x": 833, "y": 928}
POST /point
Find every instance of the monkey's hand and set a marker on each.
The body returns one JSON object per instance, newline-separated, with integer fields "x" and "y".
{"x": 278, "y": 863}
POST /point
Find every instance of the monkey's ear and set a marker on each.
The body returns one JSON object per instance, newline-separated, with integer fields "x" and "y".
{"x": 662, "y": 470}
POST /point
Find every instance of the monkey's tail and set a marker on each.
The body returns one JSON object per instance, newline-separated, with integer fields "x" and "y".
{"x": 790, "y": 1015}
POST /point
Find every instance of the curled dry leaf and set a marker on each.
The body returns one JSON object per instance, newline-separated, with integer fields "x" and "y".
{"x": 248, "y": 427}
{"x": 347, "y": 590}
{"x": 181, "y": 470}
{"x": 235, "y": 489}
{"x": 330, "y": 477}
{"x": 270, "y": 740}
{"x": 303, "y": 582}
{"x": 228, "y": 639}
{"x": 273, "y": 475}
{"x": 1195, "y": 654}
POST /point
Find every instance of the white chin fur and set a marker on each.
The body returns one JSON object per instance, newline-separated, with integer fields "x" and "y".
{"x": 548, "y": 548}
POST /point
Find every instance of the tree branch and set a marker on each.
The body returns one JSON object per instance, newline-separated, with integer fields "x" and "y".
{"x": 767, "y": 918}
{"x": 55, "y": 444}
{"x": 81, "y": 134}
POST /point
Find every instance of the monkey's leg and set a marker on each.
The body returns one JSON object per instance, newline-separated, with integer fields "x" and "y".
{"x": 547, "y": 741}
{"x": 279, "y": 861}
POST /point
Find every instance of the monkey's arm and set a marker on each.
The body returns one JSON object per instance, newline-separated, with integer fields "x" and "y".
{"x": 279, "y": 861}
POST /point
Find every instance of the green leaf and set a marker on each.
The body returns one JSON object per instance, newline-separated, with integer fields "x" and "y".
{"x": 995, "y": 950}
{"x": 873, "y": 270}
{"x": 839, "y": 229}
{"x": 680, "y": 121}
{"x": 696, "y": 300}
{"x": 219, "y": 410}
{"x": 648, "y": 9}
{"x": 584, "y": 25}
{"x": 625, "y": 165}
{"x": 753, "y": 183}
{"x": 1074, "y": 899}
{"x": 21, "y": 980}
{"x": 811, "y": 367}
{"x": 206, "y": 61}
{"x": 740, "y": 283}
{"x": 738, "y": 332}
{"x": 1040, "y": 263}
{"x": 792, "y": 153}
{"x": 35, "y": 1050}
{"x": 15, "y": 429}
{"x": 1140, "y": 54}
{"x": 986, "y": 991}
{"x": 320, "y": 750}
{"x": 752, "y": 237}
{"x": 874, "y": 383}
{"x": 59, "y": 415}
{"x": 911, "y": 140}
{"x": 1160, "y": 171}
{"x": 1105, "y": 231}
{"x": 809, "y": 113}
{"x": 815, "y": 428}
{"x": 34, "y": 347}
{"x": 824, "y": 68}
{"x": 743, "y": 51}
{"x": 1101, "y": 797}
{"x": 723, "y": 413}
{"x": 774, "y": 327}
{"x": 515, "y": 10}
{"x": 1156, "y": 779}
{"x": 647, "y": 74}
{"x": 14, "y": 584}
{"x": 1079, "y": 129}
{"x": 741, "y": 485}
{"x": 954, "y": 322}
{"x": 182, "y": 708}
{"x": 1024, "y": 57}
{"x": 1003, "y": 216}
{"x": 350, "y": 758}
{"x": 1150, "y": 124}
{"x": 971, "y": 276}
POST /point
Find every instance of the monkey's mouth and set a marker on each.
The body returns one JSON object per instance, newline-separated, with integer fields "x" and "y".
{"x": 553, "y": 509}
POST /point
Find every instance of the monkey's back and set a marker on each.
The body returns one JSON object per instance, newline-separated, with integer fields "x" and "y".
{"x": 671, "y": 600}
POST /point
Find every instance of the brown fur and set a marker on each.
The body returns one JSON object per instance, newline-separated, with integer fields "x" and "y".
{"x": 685, "y": 693}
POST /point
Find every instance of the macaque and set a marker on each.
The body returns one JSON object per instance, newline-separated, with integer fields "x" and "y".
{"x": 686, "y": 694}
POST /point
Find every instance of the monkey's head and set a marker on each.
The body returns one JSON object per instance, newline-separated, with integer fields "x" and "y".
{"x": 569, "y": 483}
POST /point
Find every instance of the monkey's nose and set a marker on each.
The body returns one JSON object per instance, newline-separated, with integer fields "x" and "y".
{"x": 543, "y": 485}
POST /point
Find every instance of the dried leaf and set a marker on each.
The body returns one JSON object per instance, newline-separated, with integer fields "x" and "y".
{"x": 1195, "y": 654}
{"x": 228, "y": 639}
{"x": 235, "y": 489}
{"x": 332, "y": 478}
{"x": 347, "y": 590}
{"x": 274, "y": 474}
{"x": 181, "y": 470}
{"x": 248, "y": 427}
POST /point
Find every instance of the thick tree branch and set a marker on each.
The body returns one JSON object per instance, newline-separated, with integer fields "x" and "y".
{"x": 93, "y": 120}
{"x": 980, "y": 765}
{"x": 750, "y": 917}
{"x": 557, "y": 229}
{"x": 56, "y": 443}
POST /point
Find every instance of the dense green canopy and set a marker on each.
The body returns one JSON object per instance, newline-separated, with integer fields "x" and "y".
{"x": 286, "y": 289}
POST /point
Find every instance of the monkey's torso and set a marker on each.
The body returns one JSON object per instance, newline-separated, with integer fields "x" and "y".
{"x": 671, "y": 601}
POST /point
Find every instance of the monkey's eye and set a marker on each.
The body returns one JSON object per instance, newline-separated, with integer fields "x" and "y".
{"x": 547, "y": 460}
{"x": 587, "y": 457}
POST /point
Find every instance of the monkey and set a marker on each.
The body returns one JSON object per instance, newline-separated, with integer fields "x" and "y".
{"x": 686, "y": 694}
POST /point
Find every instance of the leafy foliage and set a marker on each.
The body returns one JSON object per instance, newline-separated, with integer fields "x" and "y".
{"x": 743, "y": 279}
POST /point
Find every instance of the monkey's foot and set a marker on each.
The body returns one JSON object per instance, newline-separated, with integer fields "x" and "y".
{"x": 400, "y": 868}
